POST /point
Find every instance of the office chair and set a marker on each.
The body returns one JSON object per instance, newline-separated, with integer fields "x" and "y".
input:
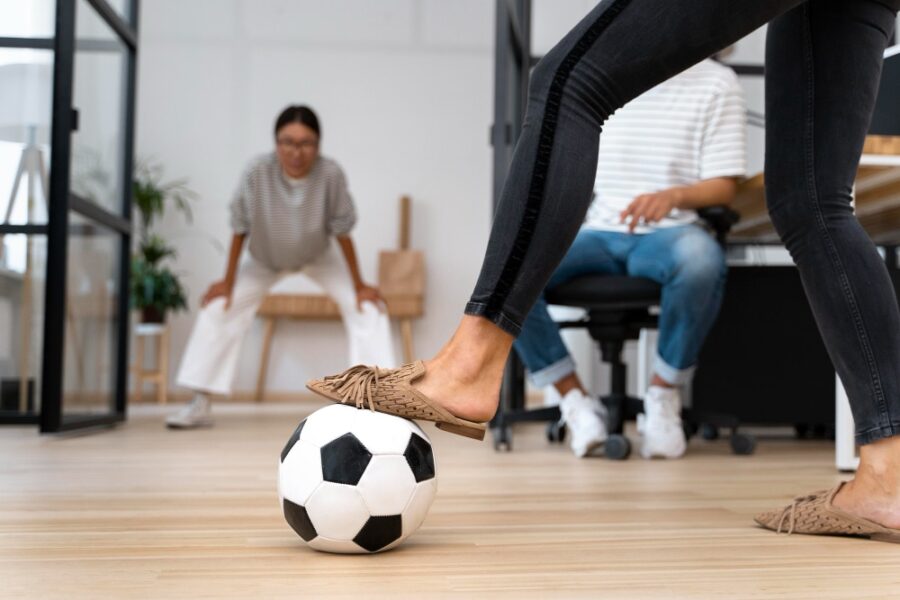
{"x": 618, "y": 308}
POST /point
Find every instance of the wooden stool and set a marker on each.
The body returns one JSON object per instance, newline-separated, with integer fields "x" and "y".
{"x": 159, "y": 376}
{"x": 318, "y": 307}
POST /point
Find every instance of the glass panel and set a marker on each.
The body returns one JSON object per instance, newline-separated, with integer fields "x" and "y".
{"x": 21, "y": 322}
{"x": 99, "y": 96}
{"x": 28, "y": 18}
{"x": 92, "y": 318}
{"x": 26, "y": 97}
{"x": 123, "y": 7}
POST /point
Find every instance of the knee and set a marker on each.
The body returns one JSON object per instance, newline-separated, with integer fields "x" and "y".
{"x": 542, "y": 74}
{"x": 794, "y": 217}
{"x": 213, "y": 312}
{"x": 582, "y": 96}
{"x": 699, "y": 260}
{"x": 365, "y": 316}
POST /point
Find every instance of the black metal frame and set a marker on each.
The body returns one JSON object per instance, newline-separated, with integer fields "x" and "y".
{"x": 512, "y": 66}
{"x": 61, "y": 201}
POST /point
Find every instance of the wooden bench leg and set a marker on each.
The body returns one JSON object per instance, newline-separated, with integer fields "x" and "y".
{"x": 162, "y": 367}
{"x": 264, "y": 360}
{"x": 406, "y": 333}
{"x": 138, "y": 369}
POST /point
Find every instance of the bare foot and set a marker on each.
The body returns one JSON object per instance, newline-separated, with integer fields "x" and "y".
{"x": 465, "y": 375}
{"x": 874, "y": 493}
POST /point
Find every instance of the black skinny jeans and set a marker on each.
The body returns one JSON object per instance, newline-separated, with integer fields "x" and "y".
{"x": 823, "y": 64}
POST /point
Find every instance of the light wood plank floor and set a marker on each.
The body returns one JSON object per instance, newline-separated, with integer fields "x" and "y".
{"x": 142, "y": 512}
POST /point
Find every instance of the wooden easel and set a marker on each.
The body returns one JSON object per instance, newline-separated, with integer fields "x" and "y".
{"x": 401, "y": 279}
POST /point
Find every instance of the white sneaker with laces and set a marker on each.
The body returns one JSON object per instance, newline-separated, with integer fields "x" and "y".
{"x": 197, "y": 413}
{"x": 660, "y": 424}
{"x": 584, "y": 420}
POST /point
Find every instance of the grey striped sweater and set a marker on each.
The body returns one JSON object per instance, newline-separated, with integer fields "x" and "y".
{"x": 290, "y": 222}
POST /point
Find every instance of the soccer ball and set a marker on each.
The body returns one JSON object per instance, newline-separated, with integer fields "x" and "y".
{"x": 356, "y": 481}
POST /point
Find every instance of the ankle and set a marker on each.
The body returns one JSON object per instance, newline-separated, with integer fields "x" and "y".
{"x": 658, "y": 381}
{"x": 569, "y": 383}
{"x": 477, "y": 349}
{"x": 879, "y": 467}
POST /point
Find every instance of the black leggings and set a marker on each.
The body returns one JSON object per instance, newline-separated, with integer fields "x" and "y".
{"x": 823, "y": 63}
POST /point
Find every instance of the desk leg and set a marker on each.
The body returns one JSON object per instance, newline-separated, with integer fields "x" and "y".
{"x": 844, "y": 438}
{"x": 264, "y": 360}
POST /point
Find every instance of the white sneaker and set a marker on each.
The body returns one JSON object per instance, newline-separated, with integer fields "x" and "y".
{"x": 584, "y": 420}
{"x": 197, "y": 413}
{"x": 660, "y": 424}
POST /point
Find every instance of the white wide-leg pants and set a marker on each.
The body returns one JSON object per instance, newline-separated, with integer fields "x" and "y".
{"x": 210, "y": 360}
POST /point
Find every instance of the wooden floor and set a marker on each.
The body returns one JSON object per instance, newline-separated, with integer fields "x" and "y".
{"x": 142, "y": 512}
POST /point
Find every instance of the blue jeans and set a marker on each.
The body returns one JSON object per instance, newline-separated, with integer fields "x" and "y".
{"x": 686, "y": 261}
{"x": 823, "y": 65}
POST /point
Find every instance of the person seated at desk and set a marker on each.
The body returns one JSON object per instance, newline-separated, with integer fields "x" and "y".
{"x": 291, "y": 204}
{"x": 678, "y": 147}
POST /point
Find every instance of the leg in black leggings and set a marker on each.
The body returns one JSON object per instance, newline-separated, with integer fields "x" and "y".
{"x": 823, "y": 65}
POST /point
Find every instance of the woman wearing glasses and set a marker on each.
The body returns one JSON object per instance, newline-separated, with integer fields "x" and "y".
{"x": 289, "y": 205}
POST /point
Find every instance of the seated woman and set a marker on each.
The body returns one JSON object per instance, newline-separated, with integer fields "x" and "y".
{"x": 290, "y": 204}
{"x": 675, "y": 148}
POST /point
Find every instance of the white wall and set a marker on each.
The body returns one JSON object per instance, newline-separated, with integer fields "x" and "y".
{"x": 404, "y": 92}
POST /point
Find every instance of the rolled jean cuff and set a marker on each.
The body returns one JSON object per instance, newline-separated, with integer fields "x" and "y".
{"x": 670, "y": 374}
{"x": 869, "y": 436}
{"x": 553, "y": 373}
{"x": 497, "y": 317}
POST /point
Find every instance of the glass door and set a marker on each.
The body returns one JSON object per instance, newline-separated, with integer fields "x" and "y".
{"x": 26, "y": 88}
{"x": 89, "y": 227}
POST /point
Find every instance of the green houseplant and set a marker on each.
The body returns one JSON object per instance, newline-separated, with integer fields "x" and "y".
{"x": 155, "y": 289}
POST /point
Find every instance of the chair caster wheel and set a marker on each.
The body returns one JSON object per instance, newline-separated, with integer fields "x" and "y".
{"x": 617, "y": 447}
{"x": 556, "y": 432}
{"x": 742, "y": 444}
{"x": 709, "y": 433}
{"x": 502, "y": 439}
{"x": 690, "y": 430}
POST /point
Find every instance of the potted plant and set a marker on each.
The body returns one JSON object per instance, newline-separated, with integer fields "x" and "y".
{"x": 155, "y": 289}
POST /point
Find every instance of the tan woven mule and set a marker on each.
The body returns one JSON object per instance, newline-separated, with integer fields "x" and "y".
{"x": 390, "y": 391}
{"x": 815, "y": 514}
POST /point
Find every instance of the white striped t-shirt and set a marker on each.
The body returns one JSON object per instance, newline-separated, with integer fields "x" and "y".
{"x": 290, "y": 221}
{"x": 685, "y": 130}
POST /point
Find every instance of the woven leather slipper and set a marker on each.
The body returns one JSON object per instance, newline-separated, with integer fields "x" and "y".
{"x": 390, "y": 391}
{"x": 815, "y": 514}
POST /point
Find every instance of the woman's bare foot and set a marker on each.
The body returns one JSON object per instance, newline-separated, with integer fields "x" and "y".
{"x": 465, "y": 375}
{"x": 874, "y": 493}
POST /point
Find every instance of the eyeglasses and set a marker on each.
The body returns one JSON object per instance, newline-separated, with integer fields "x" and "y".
{"x": 297, "y": 145}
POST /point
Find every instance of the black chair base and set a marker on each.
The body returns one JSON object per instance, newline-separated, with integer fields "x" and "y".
{"x": 613, "y": 318}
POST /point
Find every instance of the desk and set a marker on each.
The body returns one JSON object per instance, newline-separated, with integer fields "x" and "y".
{"x": 876, "y": 199}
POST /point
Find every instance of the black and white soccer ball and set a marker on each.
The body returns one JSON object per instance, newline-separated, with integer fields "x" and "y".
{"x": 356, "y": 481}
